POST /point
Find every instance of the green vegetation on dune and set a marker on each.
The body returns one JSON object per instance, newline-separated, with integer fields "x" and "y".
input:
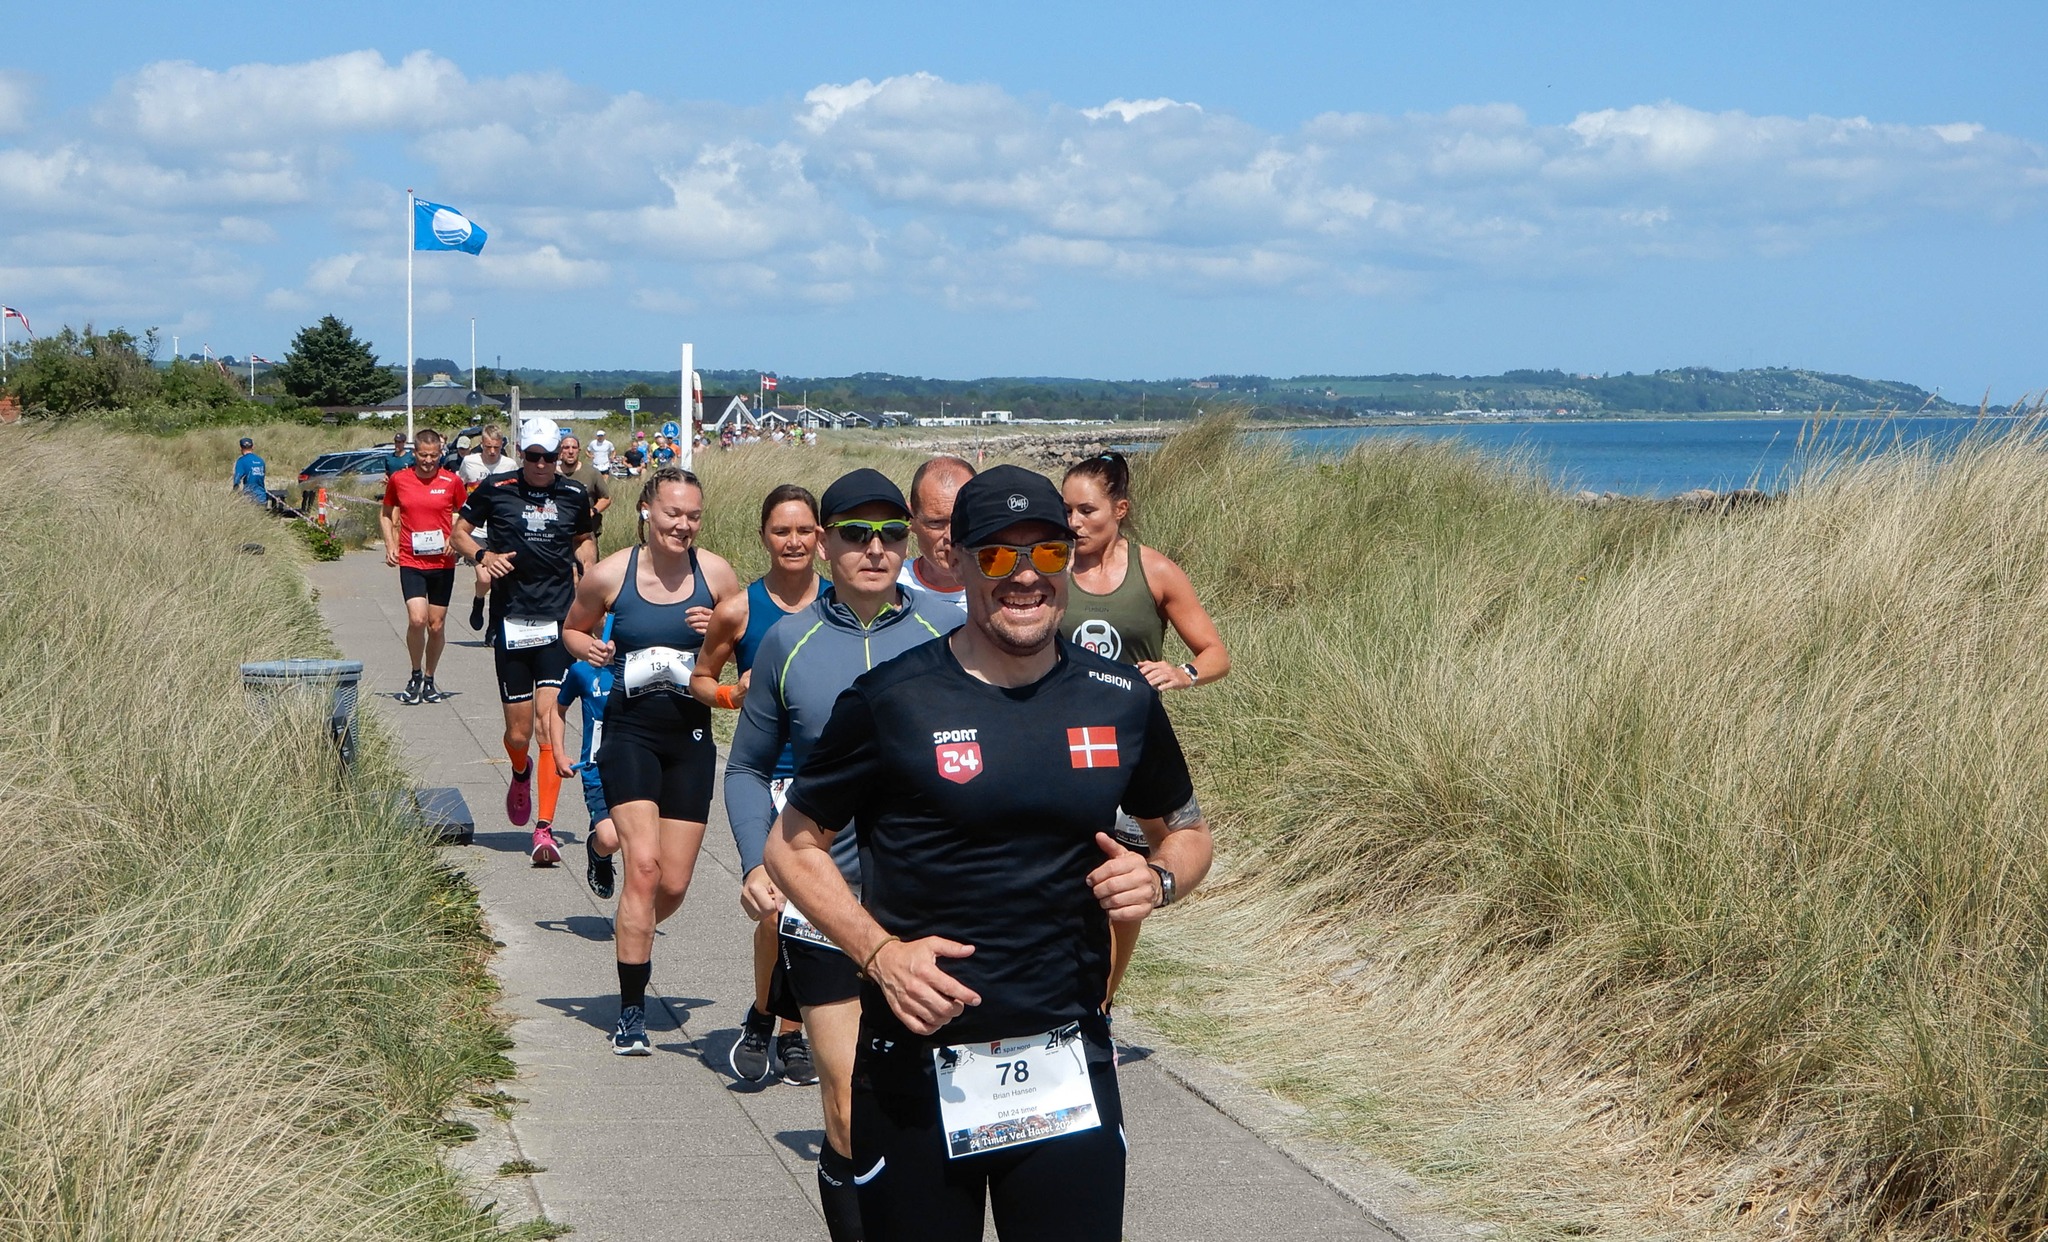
{"x": 236, "y": 995}
{"x": 1699, "y": 857}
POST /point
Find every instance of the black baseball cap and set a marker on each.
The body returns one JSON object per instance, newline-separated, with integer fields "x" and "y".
{"x": 248, "y": 443}
{"x": 1004, "y": 496}
{"x": 852, "y": 490}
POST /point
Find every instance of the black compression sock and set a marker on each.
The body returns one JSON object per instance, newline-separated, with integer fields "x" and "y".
{"x": 838, "y": 1196}
{"x": 633, "y": 977}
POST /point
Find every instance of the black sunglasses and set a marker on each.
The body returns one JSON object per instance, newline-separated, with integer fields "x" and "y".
{"x": 536, "y": 456}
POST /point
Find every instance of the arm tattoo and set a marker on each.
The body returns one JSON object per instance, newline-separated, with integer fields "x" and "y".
{"x": 1188, "y": 816}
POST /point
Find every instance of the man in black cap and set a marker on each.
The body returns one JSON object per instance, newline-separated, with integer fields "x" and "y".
{"x": 249, "y": 473}
{"x": 983, "y": 775}
{"x": 806, "y": 661}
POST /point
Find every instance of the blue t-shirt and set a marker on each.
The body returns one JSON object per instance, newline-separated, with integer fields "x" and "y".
{"x": 249, "y": 476}
{"x": 395, "y": 462}
{"x": 592, "y": 685}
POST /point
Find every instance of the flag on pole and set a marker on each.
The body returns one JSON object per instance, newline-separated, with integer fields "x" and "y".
{"x": 435, "y": 227}
{"x": 259, "y": 358}
{"x": 8, "y": 312}
{"x": 768, "y": 382}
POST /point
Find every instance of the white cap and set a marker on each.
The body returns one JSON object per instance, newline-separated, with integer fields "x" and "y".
{"x": 599, "y": 435}
{"x": 540, "y": 433}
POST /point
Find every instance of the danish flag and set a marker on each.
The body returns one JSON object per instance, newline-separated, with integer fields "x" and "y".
{"x": 768, "y": 382}
{"x": 1093, "y": 747}
{"x": 8, "y": 312}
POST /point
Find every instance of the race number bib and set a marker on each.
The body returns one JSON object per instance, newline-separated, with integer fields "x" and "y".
{"x": 658, "y": 668}
{"x": 797, "y": 927}
{"x": 429, "y": 542}
{"x": 519, "y": 635}
{"x": 1009, "y": 1092}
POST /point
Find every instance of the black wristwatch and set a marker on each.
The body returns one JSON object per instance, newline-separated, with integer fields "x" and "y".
{"x": 1166, "y": 893}
{"x": 1194, "y": 674}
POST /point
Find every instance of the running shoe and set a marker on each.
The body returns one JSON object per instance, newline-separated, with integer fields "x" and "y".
{"x": 476, "y": 613}
{"x": 519, "y": 797}
{"x": 794, "y": 1051}
{"x": 431, "y": 693}
{"x": 545, "y": 852}
{"x": 597, "y": 868}
{"x": 749, "y": 1057}
{"x": 411, "y": 694}
{"x": 629, "y": 1037}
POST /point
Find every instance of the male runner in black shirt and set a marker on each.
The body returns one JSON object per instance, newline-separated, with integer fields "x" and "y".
{"x": 539, "y": 526}
{"x": 983, "y": 774}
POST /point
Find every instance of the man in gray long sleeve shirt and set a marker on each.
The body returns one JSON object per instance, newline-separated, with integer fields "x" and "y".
{"x": 802, "y": 666}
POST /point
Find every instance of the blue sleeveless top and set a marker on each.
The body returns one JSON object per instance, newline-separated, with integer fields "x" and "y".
{"x": 655, "y": 691}
{"x": 762, "y": 614}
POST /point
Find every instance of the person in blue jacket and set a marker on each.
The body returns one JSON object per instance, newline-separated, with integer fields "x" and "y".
{"x": 249, "y": 473}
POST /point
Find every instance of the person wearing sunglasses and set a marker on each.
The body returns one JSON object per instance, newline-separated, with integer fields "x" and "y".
{"x": 1124, "y": 597}
{"x": 540, "y": 529}
{"x": 657, "y": 759}
{"x": 805, "y": 663}
{"x": 981, "y": 776}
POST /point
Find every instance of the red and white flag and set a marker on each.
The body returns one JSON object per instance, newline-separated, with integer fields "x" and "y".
{"x": 8, "y": 312}
{"x": 1093, "y": 747}
{"x": 768, "y": 382}
{"x": 259, "y": 358}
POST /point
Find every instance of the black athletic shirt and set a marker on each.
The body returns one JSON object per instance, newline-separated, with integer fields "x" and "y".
{"x": 976, "y": 809}
{"x": 541, "y": 525}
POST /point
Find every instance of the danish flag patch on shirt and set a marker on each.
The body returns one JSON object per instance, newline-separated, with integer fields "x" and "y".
{"x": 1093, "y": 747}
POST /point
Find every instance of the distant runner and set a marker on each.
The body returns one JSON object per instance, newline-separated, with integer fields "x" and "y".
{"x": 399, "y": 457}
{"x": 1124, "y": 596}
{"x": 982, "y": 775}
{"x": 418, "y": 519}
{"x": 657, "y": 758}
{"x": 594, "y": 480}
{"x": 248, "y": 475}
{"x": 539, "y": 528}
{"x": 863, "y": 619}
{"x": 489, "y": 461}
{"x": 790, "y": 532}
{"x": 600, "y": 451}
{"x": 591, "y": 685}
{"x": 934, "y": 575}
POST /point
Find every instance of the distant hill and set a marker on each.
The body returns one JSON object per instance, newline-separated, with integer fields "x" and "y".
{"x": 1688, "y": 390}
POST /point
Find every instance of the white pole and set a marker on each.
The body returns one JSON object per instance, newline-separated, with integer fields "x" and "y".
{"x": 252, "y": 372}
{"x": 687, "y": 451}
{"x": 3, "y": 349}
{"x": 472, "y": 353}
{"x": 411, "y": 213}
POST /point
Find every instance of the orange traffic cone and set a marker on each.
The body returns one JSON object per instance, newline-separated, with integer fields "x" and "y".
{"x": 322, "y": 517}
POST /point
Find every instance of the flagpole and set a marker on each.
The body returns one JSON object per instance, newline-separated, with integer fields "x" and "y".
{"x": 687, "y": 451}
{"x": 252, "y": 372}
{"x": 411, "y": 218}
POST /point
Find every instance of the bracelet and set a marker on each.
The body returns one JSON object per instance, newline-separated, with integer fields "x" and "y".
{"x": 862, "y": 973}
{"x": 725, "y": 699}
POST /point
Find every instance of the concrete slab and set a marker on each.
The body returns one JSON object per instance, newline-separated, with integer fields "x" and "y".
{"x": 668, "y": 1148}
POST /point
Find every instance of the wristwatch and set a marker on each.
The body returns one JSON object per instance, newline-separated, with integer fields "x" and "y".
{"x": 1166, "y": 893}
{"x": 1194, "y": 674}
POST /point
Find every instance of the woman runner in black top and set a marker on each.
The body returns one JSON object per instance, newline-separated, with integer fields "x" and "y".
{"x": 656, "y": 757}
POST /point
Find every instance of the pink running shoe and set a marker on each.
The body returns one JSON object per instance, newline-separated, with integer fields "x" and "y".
{"x": 545, "y": 852}
{"x": 519, "y": 798}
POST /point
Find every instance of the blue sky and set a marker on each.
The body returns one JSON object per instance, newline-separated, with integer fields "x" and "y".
{"x": 962, "y": 190}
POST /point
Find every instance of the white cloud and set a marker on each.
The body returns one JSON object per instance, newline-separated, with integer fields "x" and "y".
{"x": 178, "y": 103}
{"x": 17, "y": 99}
{"x": 1131, "y": 109}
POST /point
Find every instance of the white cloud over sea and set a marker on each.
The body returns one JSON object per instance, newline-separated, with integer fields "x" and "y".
{"x": 283, "y": 184}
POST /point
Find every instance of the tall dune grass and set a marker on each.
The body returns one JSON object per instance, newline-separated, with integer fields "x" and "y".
{"x": 235, "y": 994}
{"x": 1730, "y": 828}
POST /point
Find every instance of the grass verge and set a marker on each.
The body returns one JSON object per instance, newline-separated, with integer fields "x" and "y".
{"x": 236, "y": 993}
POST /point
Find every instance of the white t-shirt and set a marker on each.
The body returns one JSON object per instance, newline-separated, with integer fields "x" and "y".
{"x": 601, "y": 454}
{"x": 474, "y": 470}
{"x": 929, "y": 598}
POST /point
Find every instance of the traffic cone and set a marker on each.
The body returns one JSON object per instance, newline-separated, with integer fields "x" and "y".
{"x": 322, "y": 502}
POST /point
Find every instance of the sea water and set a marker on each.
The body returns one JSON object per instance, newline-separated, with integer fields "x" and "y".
{"x": 1662, "y": 457}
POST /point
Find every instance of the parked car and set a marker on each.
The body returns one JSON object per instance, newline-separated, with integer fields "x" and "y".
{"x": 345, "y": 462}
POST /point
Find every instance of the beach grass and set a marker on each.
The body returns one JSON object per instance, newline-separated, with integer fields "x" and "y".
{"x": 237, "y": 991}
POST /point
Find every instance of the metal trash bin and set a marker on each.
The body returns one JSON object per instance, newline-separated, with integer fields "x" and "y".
{"x": 340, "y": 678}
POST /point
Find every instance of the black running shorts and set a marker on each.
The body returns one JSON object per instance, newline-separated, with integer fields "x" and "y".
{"x": 674, "y": 769}
{"x": 809, "y": 974}
{"x": 1067, "y": 1189}
{"x": 521, "y": 672}
{"x": 433, "y": 585}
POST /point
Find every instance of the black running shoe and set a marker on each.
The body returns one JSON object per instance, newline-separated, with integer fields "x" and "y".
{"x": 794, "y": 1051}
{"x": 476, "y": 613}
{"x": 410, "y": 696}
{"x": 431, "y": 693}
{"x": 597, "y": 868}
{"x": 629, "y": 1037}
{"x": 749, "y": 1056}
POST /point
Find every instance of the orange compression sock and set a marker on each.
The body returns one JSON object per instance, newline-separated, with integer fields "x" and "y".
{"x": 550, "y": 787}
{"x": 518, "y": 757}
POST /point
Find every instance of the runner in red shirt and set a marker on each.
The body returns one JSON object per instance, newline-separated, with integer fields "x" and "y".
{"x": 420, "y": 504}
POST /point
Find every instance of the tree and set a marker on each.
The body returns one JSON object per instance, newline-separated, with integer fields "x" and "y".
{"x": 327, "y": 365}
{"x": 72, "y": 372}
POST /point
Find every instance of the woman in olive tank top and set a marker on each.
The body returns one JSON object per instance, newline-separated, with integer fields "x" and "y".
{"x": 1121, "y": 599}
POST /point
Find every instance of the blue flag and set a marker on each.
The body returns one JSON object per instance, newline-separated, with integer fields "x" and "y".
{"x": 435, "y": 227}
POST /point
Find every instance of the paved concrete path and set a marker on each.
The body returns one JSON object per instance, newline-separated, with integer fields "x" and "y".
{"x": 670, "y": 1148}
